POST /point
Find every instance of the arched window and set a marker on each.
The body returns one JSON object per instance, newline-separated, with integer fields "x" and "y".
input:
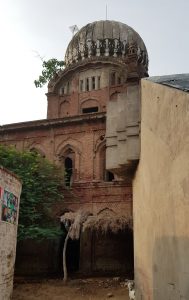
{"x": 68, "y": 164}
{"x": 68, "y": 167}
{"x": 90, "y": 106}
{"x": 104, "y": 174}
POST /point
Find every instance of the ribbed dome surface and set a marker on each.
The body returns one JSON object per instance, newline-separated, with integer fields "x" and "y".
{"x": 108, "y": 39}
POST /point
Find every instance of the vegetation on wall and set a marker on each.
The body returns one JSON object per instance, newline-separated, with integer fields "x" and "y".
{"x": 41, "y": 188}
{"x": 50, "y": 68}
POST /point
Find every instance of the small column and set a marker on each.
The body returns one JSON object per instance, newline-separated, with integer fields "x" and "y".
{"x": 90, "y": 83}
{"x": 107, "y": 47}
{"x": 98, "y": 45}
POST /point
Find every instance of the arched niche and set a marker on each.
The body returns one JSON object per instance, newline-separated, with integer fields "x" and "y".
{"x": 37, "y": 148}
{"x": 64, "y": 110}
{"x": 114, "y": 96}
{"x": 106, "y": 212}
{"x": 117, "y": 76}
{"x": 100, "y": 163}
{"x": 67, "y": 159}
{"x": 90, "y": 106}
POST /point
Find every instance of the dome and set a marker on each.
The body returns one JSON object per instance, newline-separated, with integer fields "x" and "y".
{"x": 106, "y": 39}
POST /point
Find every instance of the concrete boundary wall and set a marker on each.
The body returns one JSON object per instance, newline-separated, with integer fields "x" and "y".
{"x": 10, "y": 190}
{"x": 161, "y": 195}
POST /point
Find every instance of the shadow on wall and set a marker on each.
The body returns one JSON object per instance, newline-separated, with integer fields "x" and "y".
{"x": 37, "y": 258}
{"x": 171, "y": 268}
{"x": 108, "y": 254}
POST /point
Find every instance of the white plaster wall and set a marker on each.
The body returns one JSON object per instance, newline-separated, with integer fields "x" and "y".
{"x": 161, "y": 196}
{"x": 8, "y": 236}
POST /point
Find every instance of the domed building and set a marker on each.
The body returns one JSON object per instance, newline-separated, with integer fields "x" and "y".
{"x": 104, "y": 63}
{"x": 101, "y": 59}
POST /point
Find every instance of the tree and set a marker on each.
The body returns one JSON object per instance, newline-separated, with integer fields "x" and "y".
{"x": 73, "y": 223}
{"x": 50, "y": 68}
{"x": 41, "y": 187}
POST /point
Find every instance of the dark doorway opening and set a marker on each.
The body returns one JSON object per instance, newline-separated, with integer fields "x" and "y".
{"x": 112, "y": 253}
{"x": 72, "y": 254}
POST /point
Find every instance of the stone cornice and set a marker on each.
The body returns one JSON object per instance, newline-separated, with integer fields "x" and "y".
{"x": 48, "y": 123}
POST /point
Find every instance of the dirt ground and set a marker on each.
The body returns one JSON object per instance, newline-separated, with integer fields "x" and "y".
{"x": 77, "y": 289}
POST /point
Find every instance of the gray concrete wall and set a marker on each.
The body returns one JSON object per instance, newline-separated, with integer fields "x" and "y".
{"x": 161, "y": 196}
{"x": 10, "y": 189}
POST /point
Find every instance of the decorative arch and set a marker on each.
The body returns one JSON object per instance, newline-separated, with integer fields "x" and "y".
{"x": 90, "y": 104}
{"x": 106, "y": 212}
{"x": 69, "y": 157}
{"x": 64, "y": 109}
{"x": 100, "y": 143}
{"x": 100, "y": 162}
{"x": 64, "y": 145}
{"x": 114, "y": 96}
{"x": 38, "y": 148}
{"x": 116, "y": 76}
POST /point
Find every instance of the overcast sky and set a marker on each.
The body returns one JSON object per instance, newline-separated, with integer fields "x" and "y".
{"x": 28, "y": 27}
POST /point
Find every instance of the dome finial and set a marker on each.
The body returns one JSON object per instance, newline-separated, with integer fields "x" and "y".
{"x": 74, "y": 29}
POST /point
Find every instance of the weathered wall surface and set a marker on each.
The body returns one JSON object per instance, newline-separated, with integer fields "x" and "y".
{"x": 10, "y": 189}
{"x": 161, "y": 195}
{"x": 84, "y": 95}
{"x": 109, "y": 253}
{"x": 117, "y": 259}
{"x": 85, "y": 135}
{"x": 122, "y": 130}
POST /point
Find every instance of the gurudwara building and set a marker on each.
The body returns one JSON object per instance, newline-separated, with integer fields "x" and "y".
{"x": 104, "y": 62}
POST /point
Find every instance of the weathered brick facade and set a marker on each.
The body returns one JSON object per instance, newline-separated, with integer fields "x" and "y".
{"x": 102, "y": 61}
{"x": 84, "y": 135}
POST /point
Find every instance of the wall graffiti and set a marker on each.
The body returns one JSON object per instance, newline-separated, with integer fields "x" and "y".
{"x": 9, "y": 207}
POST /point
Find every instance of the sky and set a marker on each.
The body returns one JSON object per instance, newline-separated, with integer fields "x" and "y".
{"x": 30, "y": 29}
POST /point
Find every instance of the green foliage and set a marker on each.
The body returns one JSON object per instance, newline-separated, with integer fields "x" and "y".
{"x": 50, "y": 68}
{"x": 41, "y": 188}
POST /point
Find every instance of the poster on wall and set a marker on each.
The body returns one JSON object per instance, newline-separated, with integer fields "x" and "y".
{"x": 9, "y": 207}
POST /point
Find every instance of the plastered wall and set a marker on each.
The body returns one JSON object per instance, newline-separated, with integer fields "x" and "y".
{"x": 10, "y": 189}
{"x": 161, "y": 196}
{"x": 122, "y": 130}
